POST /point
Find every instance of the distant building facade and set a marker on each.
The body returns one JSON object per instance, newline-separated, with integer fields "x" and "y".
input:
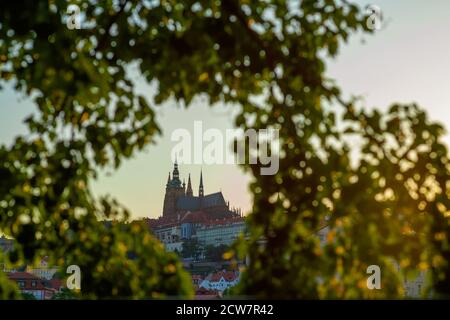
{"x": 29, "y": 283}
{"x": 6, "y": 244}
{"x": 43, "y": 270}
{"x": 220, "y": 232}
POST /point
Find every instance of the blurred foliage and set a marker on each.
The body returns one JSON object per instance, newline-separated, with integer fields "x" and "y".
{"x": 379, "y": 180}
{"x": 28, "y": 296}
{"x": 8, "y": 289}
{"x": 216, "y": 253}
{"x": 65, "y": 294}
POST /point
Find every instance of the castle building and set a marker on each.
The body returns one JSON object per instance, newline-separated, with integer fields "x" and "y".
{"x": 179, "y": 199}
{"x": 184, "y": 214}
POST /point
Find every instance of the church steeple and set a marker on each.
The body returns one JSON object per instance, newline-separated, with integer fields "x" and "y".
{"x": 189, "y": 192}
{"x": 175, "y": 181}
{"x": 168, "y": 180}
{"x": 200, "y": 188}
{"x": 174, "y": 190}
{"x": 176, "y": 174}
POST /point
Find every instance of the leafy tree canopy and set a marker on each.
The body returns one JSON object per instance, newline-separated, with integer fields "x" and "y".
{"x": 191, "y": 249}
{"x": 28, "y": 296}
{"x": 215, "y": 253}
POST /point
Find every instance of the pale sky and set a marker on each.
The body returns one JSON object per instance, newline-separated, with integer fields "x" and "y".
{"x": 407, "y": 61}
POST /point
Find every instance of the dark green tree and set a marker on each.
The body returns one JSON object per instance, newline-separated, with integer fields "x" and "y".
{"x": 65, "y": 294}
{"x": 28, "y": 296}
{"x": 215, "y": 253}
{"x": 191, "y": 249}
{"x": 8, "y": 289}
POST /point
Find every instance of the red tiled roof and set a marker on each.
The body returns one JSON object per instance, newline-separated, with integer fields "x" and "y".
{"x": 204, "y": 291}
{"x": 160, "y": 222}
{"x": 227, "y": 275}
{"x": 199, "y": 217}
{"x": 28, "y": 280}
{"x": 22, "y": 276}
{"x": 225, "y": 221}
{"x": 195, "y": 217}
{"x": 56, "y": 283}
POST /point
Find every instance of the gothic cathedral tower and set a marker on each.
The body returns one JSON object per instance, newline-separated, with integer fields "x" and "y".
{"x": 174, "y": 190}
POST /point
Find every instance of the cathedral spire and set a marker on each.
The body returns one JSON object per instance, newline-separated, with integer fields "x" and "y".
{"x": 175, "y": 181}
{"x": 200, "y": 188}
{"x": 176, "y": 174}
{"x": 189, "y": 192}
{"x": 168, "y": 179}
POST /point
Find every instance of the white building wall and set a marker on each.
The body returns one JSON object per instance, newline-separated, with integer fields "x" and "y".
{"x": 220, "y": 234}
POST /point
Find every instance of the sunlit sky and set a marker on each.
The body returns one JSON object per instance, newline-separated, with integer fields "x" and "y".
{"x": 407, "y": 61}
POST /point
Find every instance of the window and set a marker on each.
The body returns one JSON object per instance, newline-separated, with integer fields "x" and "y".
{"x": 21, "y": 284}
{"x": 33, "y": 283}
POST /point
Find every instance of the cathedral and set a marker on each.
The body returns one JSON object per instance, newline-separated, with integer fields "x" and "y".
{"x": 205, "y": 217}
{"x": 179, "y": 199}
